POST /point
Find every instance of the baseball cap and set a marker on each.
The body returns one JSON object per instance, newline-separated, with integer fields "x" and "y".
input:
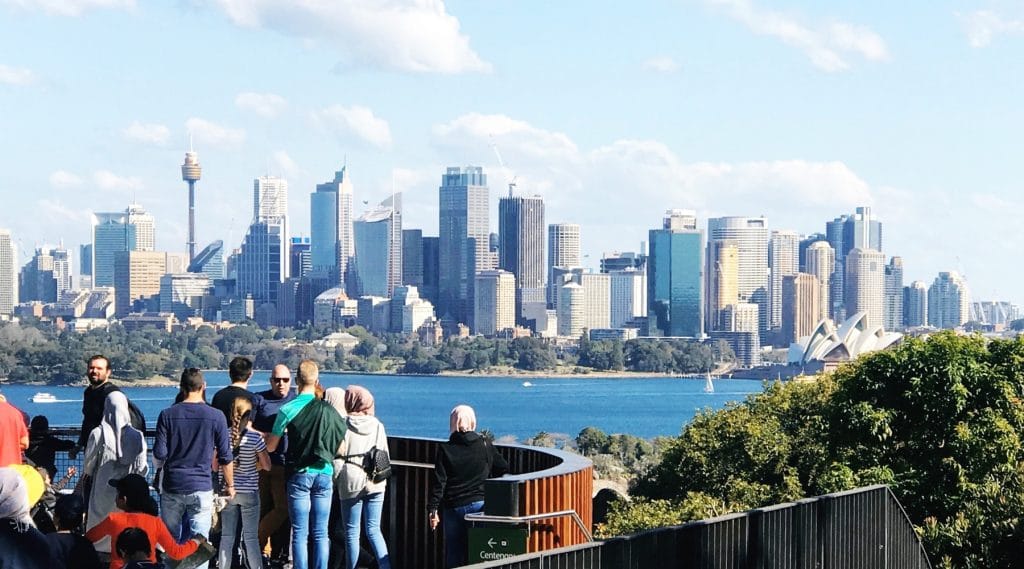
{"x": 131, "y": 485}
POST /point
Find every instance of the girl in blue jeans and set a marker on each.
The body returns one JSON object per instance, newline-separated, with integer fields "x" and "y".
{"x": 250, "y": 453}
{"x": 361, "y": 499}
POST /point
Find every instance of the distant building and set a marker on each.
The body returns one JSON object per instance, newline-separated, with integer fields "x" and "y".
{"x": 85, "y": 266}
{"x": 741, "y": 317}
{"x": 723, "y": 279}
{"x": 616, "y": 261}
{"x": 301, "y": 261}
{"x": 783, "y": 261}
{"x": 620, "y": 334}
{"x": 563, "y": 251}
{"x": 751, "y": 237}
{"x": 209, "y": 261}
{"x": 263, "y": 262}
{"x": 378, "y": 259}
{"x": 333, "y": 308}
{"x": 596, "y": 300}
{"x": 374, "y": 314}
{"x": 675, "y": 276}
{"x": 859, "y": 230}
{"x": 37, "y": 281}
{"x": 801, "y": 306}
{"x": 8, "y": 273}
{"x": 820, "y": 261}
{"x": 412, "y": 257}
{"x": 464, "y": 238}
{"x": 865, "y": 284}
{"x": 521, "y": 248}
{"x": 142, "y": 237}
{"x": 832, "y": 345}
{"x": 139, "y": 321}
{"x": 415, "y": 311}
{"x": 746, "y": 345}
{"x": 628, "y": 295}
{"x": 183, "y": 294}
{"x": 893, "y": 308}
{"x": 332, "y": 241}
{"x": 949, "y": 301}
{"x": 495, "y": 302}
{"x": 915, "y": 305}
{"x": 571, "y": 310}
{"x": 137, "y": 278}
{"x": 431, "y": 268}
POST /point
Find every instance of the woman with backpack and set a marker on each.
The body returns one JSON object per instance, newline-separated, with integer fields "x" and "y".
{"x": 250, "y": 452}
{"x": 362, "y": 499}
{"x": 460, "y": 469}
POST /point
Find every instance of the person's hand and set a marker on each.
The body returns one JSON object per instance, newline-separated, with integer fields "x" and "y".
{"x": 434, "y": 520}
{"x": 73, "y": 453}
{"x": 231, "y": 492}
{"x": 199, "y": 539}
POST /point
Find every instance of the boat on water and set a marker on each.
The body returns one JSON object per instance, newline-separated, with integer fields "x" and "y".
{"x": 709, "y": 387}
{"x": 42, "y": 397}
{"x": 527, "y": 384}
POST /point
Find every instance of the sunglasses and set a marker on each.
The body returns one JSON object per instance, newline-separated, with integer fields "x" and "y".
{"x": 280, "y": 379}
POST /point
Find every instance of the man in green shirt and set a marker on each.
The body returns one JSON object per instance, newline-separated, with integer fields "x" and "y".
{"x": 315, "y": 433}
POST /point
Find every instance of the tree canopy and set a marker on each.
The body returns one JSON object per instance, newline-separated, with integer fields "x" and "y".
{"x": 939, "y": 420}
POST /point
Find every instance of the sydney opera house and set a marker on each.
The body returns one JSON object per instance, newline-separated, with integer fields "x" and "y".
{"x": 829, "y": 345}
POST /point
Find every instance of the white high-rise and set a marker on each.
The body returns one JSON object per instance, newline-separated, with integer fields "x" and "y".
{"x": 865, "y": 284}
{"x": 783, "y": 261}
{"x": 597, "y": 300}
{"x": 751, "y": 237}
{"x": 563, "y": 251}
{"x": 145, "y": 228}
{"x": 915, "y": 304}
{"x": 495, "y": 302}
{"x": 571, "y": 310}
{"x": 821, "y": 262}
{"x": 628, "y": 296}
{"x": 949, "y": 301}
{"x": 8, "y": 273}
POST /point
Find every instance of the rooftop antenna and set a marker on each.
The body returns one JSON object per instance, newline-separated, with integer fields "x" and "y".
{"x": 512, "y": 183}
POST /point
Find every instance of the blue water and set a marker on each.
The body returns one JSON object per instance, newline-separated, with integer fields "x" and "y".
{"x": 419, "y": 406}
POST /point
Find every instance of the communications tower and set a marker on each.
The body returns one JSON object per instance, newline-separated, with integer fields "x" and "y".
{"x": 191, "y": 172}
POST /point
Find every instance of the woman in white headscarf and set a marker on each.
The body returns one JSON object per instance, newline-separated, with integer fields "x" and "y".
{"x": 115, "y": 450}
{"x": 22, "y": 545}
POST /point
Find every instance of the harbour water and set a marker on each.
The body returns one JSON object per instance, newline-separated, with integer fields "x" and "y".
{"x": 518, "y": 407}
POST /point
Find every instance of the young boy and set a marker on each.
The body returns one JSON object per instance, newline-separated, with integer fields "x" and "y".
{"x": 133, "y": 546}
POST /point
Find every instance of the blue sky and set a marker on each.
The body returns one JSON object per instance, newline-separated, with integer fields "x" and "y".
{"x": 614, "y": 112}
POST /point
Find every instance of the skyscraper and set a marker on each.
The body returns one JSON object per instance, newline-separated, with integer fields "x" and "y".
{"x": 893, "y": 311}
{"x": 495, "y": 302}
{"x": 865, "y": 284}
{"x": 112, "y": 233}
{"x": 859, "y": 230}
{"x": 675, "y": 276}
{"x": 137, "y": 277}
{"x": 597, "y": 300}
{"x": 723, "y": 279}
{"x": 209, "y": 261}
{"x": 301, "y": 262}
{"x": 563, "y": 251}
{"x": 800, "y": 306}
{"x": 751, "y": 237}
{"x": 85, "y": 266}
{"x": 571, "y": 309}
{"x": 331, "y": 232}
{"x": 521, "y": 247}
{"x": 8, "y": 273}
{"x": 264, "y": 260}
{"x": 412, "y": 257}
{"x": 628, "y": 296}
{"x": 142, "y": 236}
{"x": 821, "y": 262}
{"x": 431, "y": 269}
{"x": 191, "y": 172}
{"x": 783, "y": 261}
{"x": 37, "y": 280}
{"x": 949, "y": 301}
{"x": 464, "y": 238}
{"x": 915, "y": 304}
{"x": 378, "y": 258}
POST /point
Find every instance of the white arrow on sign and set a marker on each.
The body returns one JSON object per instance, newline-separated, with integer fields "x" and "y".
{"x": 490, "y": 543}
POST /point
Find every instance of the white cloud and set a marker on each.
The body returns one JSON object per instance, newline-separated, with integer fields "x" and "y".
{"x": 56, "y": 210}
{"x": 152, "y": 133}
{"x": 827, "y": 46}
{"x": 406, "y": 35}
{"x": 285, "y": 164}
{"x": 478, "y": 132}
{"x": 70, "y": 7}
{"x": 356, "y": 120}
{"x": 213, "y": 134}
{"x": 983, "y": 25}
{"x": 62, "y": 179}
{"x": 661, "y": 64}
{"x": 107, "y": 180}
{"x": 266, "y": 105}
{"x": 17, "y": 76}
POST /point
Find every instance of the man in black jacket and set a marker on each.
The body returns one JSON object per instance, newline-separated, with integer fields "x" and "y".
{"x": 94, "y": 397}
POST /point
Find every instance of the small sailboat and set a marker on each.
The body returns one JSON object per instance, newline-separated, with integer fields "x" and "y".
{"x": 709, "y": 387}
{"x": 527, "y": 384}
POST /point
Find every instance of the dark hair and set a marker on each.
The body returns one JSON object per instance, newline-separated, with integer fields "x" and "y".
{"x": 100, "y": 357}
{"x": 240, "y": 368}
{"x": 133, "y": 540}
{"x": 191, "y": 380}
{"x": 69, "y": 511}
{"x": 40, "y": 424}
{"x": 138, "y": 502}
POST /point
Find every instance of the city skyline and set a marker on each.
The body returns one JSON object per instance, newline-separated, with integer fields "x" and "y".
{"x": 709, "y": 108}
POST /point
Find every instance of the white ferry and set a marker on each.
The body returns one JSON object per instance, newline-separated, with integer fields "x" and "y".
{"x": 43, "y": 398}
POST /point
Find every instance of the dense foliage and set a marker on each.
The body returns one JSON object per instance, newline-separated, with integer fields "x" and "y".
{"x": 939, "y": 420}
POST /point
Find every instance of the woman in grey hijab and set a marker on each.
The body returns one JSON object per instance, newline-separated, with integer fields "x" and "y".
{"x": 22, "y": 545}
{"x": 115, "y": 450}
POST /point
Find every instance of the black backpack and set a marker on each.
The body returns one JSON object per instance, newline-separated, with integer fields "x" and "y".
{"x": 138, "y": 419}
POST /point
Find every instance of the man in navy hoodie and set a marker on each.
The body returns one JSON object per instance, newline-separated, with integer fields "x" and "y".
{"x": 188, "y": 434}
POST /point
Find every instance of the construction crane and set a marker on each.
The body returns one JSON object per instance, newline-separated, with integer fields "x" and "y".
{"x": 512, "y": 182}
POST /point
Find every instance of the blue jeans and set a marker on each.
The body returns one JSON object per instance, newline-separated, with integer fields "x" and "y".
{"x": 245, "y": 507}
{"x": 368, "y": 507}
{"x": 309, "y": 506}
{"x": 187, "y": 515}
{"x": 456, "y": 532}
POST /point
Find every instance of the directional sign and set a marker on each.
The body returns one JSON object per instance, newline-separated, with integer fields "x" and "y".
{"x": 497, "y": 541}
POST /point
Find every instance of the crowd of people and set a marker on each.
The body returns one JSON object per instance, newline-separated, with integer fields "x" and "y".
{"x": 292, "y": 475}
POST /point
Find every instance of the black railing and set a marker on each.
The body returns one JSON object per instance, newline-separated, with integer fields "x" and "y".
{"x": 865, "y": 528}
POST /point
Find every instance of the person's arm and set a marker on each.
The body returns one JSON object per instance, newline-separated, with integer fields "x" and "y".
{"x": 22, "y": 436}
{"x": 162, "y": 537}
{"x": 160, "y": 442}
{"x": 224, "y": 456}
{"x": 499, "y": 466}
{"x": 61, "y": 445}
{"x": 98, "y": 531}
{"x": 439, "y": 479}
{"x": 262, "y": 456}
{"x": 277, "y": 431}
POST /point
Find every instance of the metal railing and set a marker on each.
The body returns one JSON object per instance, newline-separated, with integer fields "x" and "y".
{"x": 544, "y": 481}
{"x": 865, "y": 528}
